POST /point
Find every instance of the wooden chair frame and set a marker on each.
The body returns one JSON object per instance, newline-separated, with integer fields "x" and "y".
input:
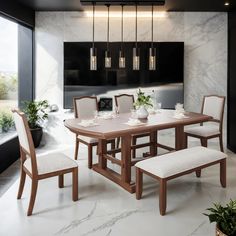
{"x": 163, "y": 181}
{"x": 35, "y": 177}
{"x": 220, "y": 135}
{"x": 136, "y": 136}
{"x": 78, "y": 140}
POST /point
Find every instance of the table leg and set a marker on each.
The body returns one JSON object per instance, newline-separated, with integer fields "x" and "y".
{"x": 102, "y": 149}
{"x": 179, "y": 137}
{"x": 126, "y": 159}
{"x": 153, "y": 143}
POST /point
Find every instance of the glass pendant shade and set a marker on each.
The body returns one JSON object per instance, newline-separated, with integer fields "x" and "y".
{"x": 152, "y": 58}
{"x": 93, "y": 58}
{"x": 121, "y": 59}
{"x": 136, "y": 58}
{"x": 107, "y": 59}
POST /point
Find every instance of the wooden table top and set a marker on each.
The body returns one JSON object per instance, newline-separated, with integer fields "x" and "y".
{"x": 111, "y": 128}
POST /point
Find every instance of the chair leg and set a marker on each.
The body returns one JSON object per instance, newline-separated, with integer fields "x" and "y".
{"x": 223, "y": 173}
{"x": 61, "y": 181}
{"x": 113, "y": 146}
{"x": 118, "y": 142}
{"x": 75, "y": 184}
{"x": 22, "y": 184}
{"x": 76, "y": 148}
{"x": 162, "y": 197}
{"x": 90, "y": 156}
{"x": 198, "y": 173}
{"x": 134, "y": 142}
{"x": 185, "y": 141}
{"x": 32, "y": 196}
{"x": 204, "y": 144}
{"x": 221, "y": 143}
{"x": 139, "y": 183}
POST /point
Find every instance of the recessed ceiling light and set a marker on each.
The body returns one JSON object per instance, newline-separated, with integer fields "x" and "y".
{"x": 226, "y": 3}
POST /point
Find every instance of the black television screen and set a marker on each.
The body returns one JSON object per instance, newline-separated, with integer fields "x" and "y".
{"x": 79, "y": 80}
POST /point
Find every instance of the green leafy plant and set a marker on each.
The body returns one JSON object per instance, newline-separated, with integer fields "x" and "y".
{"x": 6, "y": 121}
{"x": 143, "y": 100}
{"x": 225, "y": 217}
{"x": 36, "y": 112}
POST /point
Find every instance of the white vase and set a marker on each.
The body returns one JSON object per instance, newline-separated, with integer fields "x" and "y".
{"x": 142, "y": 113}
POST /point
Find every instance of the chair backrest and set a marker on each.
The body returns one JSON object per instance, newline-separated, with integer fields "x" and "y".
{"x": 213, "y": 105}
{"x": 85, "y": 106}
{"x": 125, "y": 102}
{"x": 25, "y": 139}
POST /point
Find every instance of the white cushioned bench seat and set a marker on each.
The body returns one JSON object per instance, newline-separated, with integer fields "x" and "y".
{"x": 204, "y": 131}
{"x": 176, "y": 164}
{"x": 180, "y": 161}
{"x": 51, "y": 162}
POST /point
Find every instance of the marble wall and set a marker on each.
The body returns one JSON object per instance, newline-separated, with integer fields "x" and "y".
{"x": 204, "y": 35}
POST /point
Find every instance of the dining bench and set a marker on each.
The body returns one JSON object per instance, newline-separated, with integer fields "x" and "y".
{"x": 172, "y": 165}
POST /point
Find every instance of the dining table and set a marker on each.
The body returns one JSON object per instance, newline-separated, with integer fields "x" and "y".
{"x": 119, "y": 126}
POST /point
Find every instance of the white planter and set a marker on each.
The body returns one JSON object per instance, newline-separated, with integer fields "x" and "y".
{"x": 142, "y": 113}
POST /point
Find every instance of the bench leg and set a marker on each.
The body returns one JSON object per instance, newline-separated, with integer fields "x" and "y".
{"x": 162, "y": 197}
{"x": 139, "y": 183}
{"x": 223, "y": 173}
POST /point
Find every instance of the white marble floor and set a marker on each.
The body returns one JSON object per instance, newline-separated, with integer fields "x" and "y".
{"x": 106, "y": 209}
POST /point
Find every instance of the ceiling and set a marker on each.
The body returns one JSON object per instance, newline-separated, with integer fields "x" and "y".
{"x": 170, "y": 5}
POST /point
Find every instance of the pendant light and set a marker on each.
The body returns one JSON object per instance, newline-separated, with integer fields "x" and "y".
{"x": 107, "y": 52}
{"x": 121, "y": 52}
{"x": 93, "y": 50}
{"x": 152, "y": 51}
{"x": 136, "y": 50}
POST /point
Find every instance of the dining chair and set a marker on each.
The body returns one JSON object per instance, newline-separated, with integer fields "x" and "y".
{"x": 213, "y": 106}
{"x": 124, "y": 104}
{"x": 39, "y": 167}
{"x": 84, "y": 108}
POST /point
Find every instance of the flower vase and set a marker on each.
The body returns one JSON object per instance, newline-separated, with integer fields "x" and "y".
{"x": 142, "y": 113}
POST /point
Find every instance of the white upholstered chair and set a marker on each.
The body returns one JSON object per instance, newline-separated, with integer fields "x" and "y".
{"x": 213, "y": 106}
{"x": 84, "y": 108}
{"x": 124, "y": 103}
{"x": 41, "y": 166}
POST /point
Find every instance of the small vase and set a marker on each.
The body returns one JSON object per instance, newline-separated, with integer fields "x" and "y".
{"x": 142, "y": 113}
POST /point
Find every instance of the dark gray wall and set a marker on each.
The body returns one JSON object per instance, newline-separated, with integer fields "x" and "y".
{"x": 231, "y": 139}
{"x": 25, "y": 64}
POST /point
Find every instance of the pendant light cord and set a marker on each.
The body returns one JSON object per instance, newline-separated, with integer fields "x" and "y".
{"x": 136, "y": 27}
{"x": 108, "y": 25}
{"x": 122, "y": 26}
{"x": 93, "y": 22}
{"x": 152, "y": 25}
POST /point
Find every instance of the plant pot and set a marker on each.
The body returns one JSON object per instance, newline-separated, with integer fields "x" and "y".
{"x": 218, "y": 232}
{"x": 37, "y": 134}
{"x": 142, "y": 113}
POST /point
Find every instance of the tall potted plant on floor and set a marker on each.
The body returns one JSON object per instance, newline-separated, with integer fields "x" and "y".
{"x": 36, "y": 112}
{"x": 225, "y": 218}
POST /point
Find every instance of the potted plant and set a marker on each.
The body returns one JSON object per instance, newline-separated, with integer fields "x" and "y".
{"x": 6, "y": 121}
{"x": 225, "y": 218}
{"x": 36, "y": 112}
{"x": 142, "y": 103}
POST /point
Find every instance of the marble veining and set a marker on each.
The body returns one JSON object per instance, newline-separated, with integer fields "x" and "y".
{"x": 204, "y": 35}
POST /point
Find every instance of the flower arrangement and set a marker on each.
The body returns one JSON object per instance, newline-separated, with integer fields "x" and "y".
{"x": 143, "y": 100}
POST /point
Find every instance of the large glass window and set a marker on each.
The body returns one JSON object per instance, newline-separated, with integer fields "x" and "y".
{"x": 8, "y": 72}
{"x": 8, "y": 64}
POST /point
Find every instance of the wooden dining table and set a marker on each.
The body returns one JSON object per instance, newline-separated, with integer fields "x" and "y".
{"x": 118, "y": 127}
